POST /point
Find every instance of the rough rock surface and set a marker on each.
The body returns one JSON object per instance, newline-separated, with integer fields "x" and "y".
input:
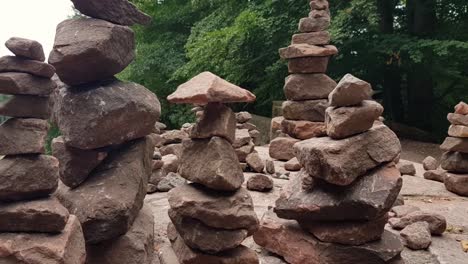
{"x": 26, "y": 106}
{"x": 243, "y": 117}
{"x": 171, "y": 181}
{"x": 26, "y": 84}
{"x": 455, "y": 144}
{"x": 310, "y": 110}
{"x": 458, "y": 119}
{"x": 173, "y": 136}
{"x": 416, "y": 236}
{"x": 281, "y": 148}
{"x": 457, "y": 183}
{"x": 26, "y": 48}
{"x": 309, "y": 24}
{"x": 23, "y": 136}
{"x": 306, "y": 50}
{"x": 301, "y": 129}
{"x": 437, "y": 223}
{"x": 245, "y": 150}
{"x": 435, "y": 175}
{"x": 342, "y": 161}
{"x": 406, "y": 167}
{"x": 88, "y": 49}
{"x": 455, "y": 162}
{"x": 292, "y": 165}
{"x": 242, "y": 137}
{"x": 350, "y": 91}
{"x": 430, "y": 163}
{"x": 404, "y": 210}
{"x": 18, "y": 64}
{"x": 312, "y": 38}
{"x": 461, "y": 108}
{"x": 255, "y": 162}
{"x": 260, "y": 183}
{"x": 270, "y": 166}
{"x": 308, "y": 65}
{"x": 92, "y": 118}
{"x": 458, "y": 131}
{"x": 217, "y": 120}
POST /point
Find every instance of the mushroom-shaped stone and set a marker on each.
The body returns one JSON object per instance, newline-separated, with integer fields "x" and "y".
{"x": 208, "y": 88}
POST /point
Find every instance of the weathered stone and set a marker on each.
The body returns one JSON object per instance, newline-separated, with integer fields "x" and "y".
{"x": 211, "y": 162}
{"x": 437, "y": 223}
{"x": 109, "y": 201}
{"x": 303, "y": 129}
{"x": 24, "y": 177}
{"x": 242, "y": 137}
{"x": 67, "y": 247}
{"x": 435, "y": 175}
{"x": 43, "y": 216}
{"x": 455, "y": 162}
{"x": 247, "y": 125}
{"x": 404, "y": 210}
{"x": 157, "y": 164}
{"x": 270, "y": 166}
{"x": 208, "y": 88}
{"x": 458, "y": 119}
{"x": 245, "y": 150}
{"x": 107, "y": 113}
{"x": 306, "y": 50}
{"x": 170, "y": 181}
{"x": 23, "y": 136}
{"x": 171, "y": 163}
{"x": 457, "y": 183}
{"x": 292, "y": 165}
{"x": 26, "y": 84}
{"x": 458, "y": 131}
{"x": 120, "y": 12}
{"x": 26, "y": 106}
{"x": 214, "y": 208}
{"x": 18, "y": 64}
{"x": 243, "y": 117}
{"x": 26, "y": 48}
{"x": 174, "y": 149}
{"x": 371, "y": 196}
{"x": 406, "y": 167}
{"x": 254, "y": 134}
{"x": 310, "y": 24}
{"x": 430, "y": 163}
{"x": 202, "y": 237}
{"x": 88, "y": 50}
{"x": 347, "y": 233}
{"x": 325, "y": 14}
{"x": 186, "y": 255}
{"x": 156, "y": 177}
{"x": 255, "y": 162}
{"x": 308, "y": 65}
{"x": 281, "y": 148}
{"x": 75, "y": 164}
{"x": 275, "y": 127}
{"x": 309, "y": 110}
{"x": 461, "y": 108}
{"x": 288, "y": 240}
{"x": 300, "y": 87}
{"x": 173, "y": 136}
{"x": 343, "y": 122}
{"x": 455, "y": 144}
{"x": 350, "y": 91}
{"x": 341, "y": 162}
{"x": 319, "y": 4}
{"x": 260, "y": 183}
{"x": 416, "y": 236}
{"x": 312, "y": 38}
{"x": 218, "y": 120}
{"x": 135, "y": 246}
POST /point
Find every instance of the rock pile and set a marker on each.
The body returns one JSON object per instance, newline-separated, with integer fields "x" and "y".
{"x": 104, "y": 151}
{"x": 307, "y": 87}
{"x": 341, "y": 198}
{"x": 455, "y": 159}
{"x": 246, "y": 137}
{"x": 34, "y": 227}
{"x": 213, "y": 215}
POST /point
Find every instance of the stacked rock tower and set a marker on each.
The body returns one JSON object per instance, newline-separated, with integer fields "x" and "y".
{"x": 104, "y": 151}
{"x": 34, "y": 227}
{"x": 213, "y": 215}
{"x": 307, "y": 87}
{"x": 455, "y": 159}
{"x": 339, "y": 201}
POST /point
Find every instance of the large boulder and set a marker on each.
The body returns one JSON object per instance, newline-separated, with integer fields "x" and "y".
{"x": 67, "y": 247}
{"x": 136, "y": 246}
{"x": 107, "y": 113}
{"x": 350, "y": 91}
{"x": 308, "y": 86}
{"x": 87, "y": 50}
{"x": 212, "y": 163}
{"x": 281, "y": 148}
{"x": 18, "y": 64}
{"x": 310, "y": 110}
{"x": 341, "y": 162}
{"x": 120, "y": 12}
{"x": 23, "y": 136}
{"x": 109, "y": 201}
{"x": 217, "y": 120}
{"x": 25, "y": 177}
{"x": 26, "y": 84}
{"x": 371, "y": 196}
{"x": 42, "y": 216}
{"x": 26, "y": 106}
{"x": 26, "y": 48}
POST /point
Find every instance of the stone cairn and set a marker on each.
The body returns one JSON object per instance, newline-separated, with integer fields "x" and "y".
{"x": 455, "y": 159}
{"x": 335, "y": 209}
{"x": 213, "y": 215}
{"x": 34, "y": 227}
{"x": 104, "y": 151}
{"x": 308, "y": 87}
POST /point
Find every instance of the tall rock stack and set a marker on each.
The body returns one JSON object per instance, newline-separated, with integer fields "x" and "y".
{"x": 104, "y": 151}
{"x": 307, "y": 87}
{"x": 335, "y": 209}
{"x": 455, "y": 159}
{"x": 34, "y": 227}
{"x": 213, "y": 215}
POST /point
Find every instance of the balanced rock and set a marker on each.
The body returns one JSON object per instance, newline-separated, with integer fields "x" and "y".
{"x": 208, "y": 88}
{"x": 341, "y": 162}
{"x": 308, "y": 86}
{"x": 458, "y": 131}
{"x": 306, "y": 50}
{"x": 311, "y": 24}
{"x": 437, "y": 222}
{"x": 308, "y": 65}
{"x": 350, "y": 91}
{"x": 92, "y": 118}
{"x": 217, "y": 120}
{"x": 18, "y": 64}
{"x": 457, "y": 183}
{"x": 120, "y": 12}
{"x": 455, "y": 162}
{"x": 310, "y": 110}
{"x": 87, "y": 50}
{"x": 435, "y": 175}
{"x": 458, "y": 119}
{"x": 75, "y": 164}
{"x": 26, "y": 84}
{"x": 242, "y": 137}
{"x": 430, "y": 163}
{"x": 26, "y": 106}
{"x": 371, "y": 196}
{"x": 23, "y": 136}
{"x": 255, "y": 162}
{"x": 406, "y": 167}
{"x": 416, "y": 236}
{"x": 343, "y": 122}
{"x": 109, "y": 201}
{"x": 301, "y": 129}
{"x": 312, "y": 38}
{"x": 67, "y": 247}
{"x": 26, "y": 48}
{"x": 211, "y": 162}
{"x": 243, "y": 117}
{"x": 42, "y": 216}
{"x": 244, "y": 151}
{"x": 455, "y": 144}
{"x": 25, "y": 177}
{"x": 461, "y": 108}
{"x": 260, "y": 183}
{"x": 281, "y": 148}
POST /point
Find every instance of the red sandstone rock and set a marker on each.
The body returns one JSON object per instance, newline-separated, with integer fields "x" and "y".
{"x": 306, "y": 50}
{"x": 18, "y": 64}
{"x": 350, "y": 91}
{"x": 26, "y": 48}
